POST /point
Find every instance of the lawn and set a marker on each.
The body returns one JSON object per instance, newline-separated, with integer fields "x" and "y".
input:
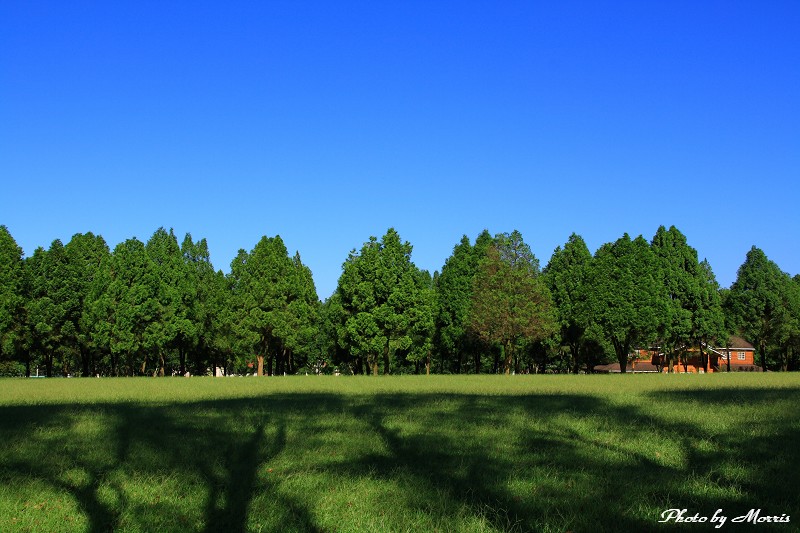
{"x": 406, "y": 453}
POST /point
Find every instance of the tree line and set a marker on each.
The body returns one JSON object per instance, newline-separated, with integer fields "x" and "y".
{"x": 160, "y": 308}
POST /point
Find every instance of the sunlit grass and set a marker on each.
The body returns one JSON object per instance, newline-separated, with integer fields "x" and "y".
{"x": 410, "y": 453}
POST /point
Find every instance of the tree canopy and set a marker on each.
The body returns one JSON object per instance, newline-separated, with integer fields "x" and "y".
{"x": 510, "y": 304}
{"x": 382, "y": 297}
{"x": 693, "y": 307}
{"x": 160, "y": 308}
{"x": 12, "y": 296}
{"x": 566, "y": 277}
{"x": 762, "y": 304}
{"x": 625, "y": 299}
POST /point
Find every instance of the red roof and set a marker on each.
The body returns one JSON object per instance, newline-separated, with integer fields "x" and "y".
{"x": 738, "y": 343}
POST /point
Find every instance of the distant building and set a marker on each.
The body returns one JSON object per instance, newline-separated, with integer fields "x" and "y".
{"x": 740, "y": 352}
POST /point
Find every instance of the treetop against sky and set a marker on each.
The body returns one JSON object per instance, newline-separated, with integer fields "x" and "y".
{"x": 326, "y": 123}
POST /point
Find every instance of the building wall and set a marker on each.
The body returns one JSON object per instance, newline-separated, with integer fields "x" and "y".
{"x": 739, "y": 357}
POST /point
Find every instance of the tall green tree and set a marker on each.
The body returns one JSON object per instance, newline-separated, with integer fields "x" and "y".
{"x": 693, "y": 308}
{"x": 297, "y": 329}
{"x": 85, "y": 253}
{"x": 626, "y": 300}
{"x": 53, "y": 334}
{"x": 332, "y": 338}
{"x": 423, "y": 319}
{"x": 565, "y": 276}
{"x": 757, "y": 303}
{"x": 510, "y": 304}
{"x": 791, "y": 354}
{"x": 130, "y": 304}
{"x": 454, "y": 295}
{"x": 360, "y": 292}
{"x": 60, "y": 282}
{"x": 174, "y": 290}
{"x": 455, "y": 343}
{"x": 239, "y": 302}
{"x": 203, "y": 300}
{"x": 262, "y": 283}
{"x": 12, "y": 301}
{"x": 378, "y": 291}
{"x": 786, "y": 326}
{"x": 709, "y": 320}
{"x": 98, "y": 316}
{"x": 218, "y": 336}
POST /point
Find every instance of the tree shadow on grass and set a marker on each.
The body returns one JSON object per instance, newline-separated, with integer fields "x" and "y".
{"x": 148, "y": 446}
{"x": 536, "y": 462}
{"x": 239, "y": 484}
{"x": 476, "y": 474}
{"x": 758, "y": 457}
{"x": 584, "y": 464}
{"x": 224, "y": 455}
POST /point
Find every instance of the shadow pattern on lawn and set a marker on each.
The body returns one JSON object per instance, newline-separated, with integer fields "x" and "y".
{"x": 560, "y": 462}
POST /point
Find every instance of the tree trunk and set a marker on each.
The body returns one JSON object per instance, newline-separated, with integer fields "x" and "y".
{"x": 84, "y": 363}
{"x": 284, "y": 366}
{"x": 622, "y": 356}
{"x": 182, "y": 359}
{"x": 574, "y": 350}
{"x": 508, "y": 359}
{"x": 386, "y": 359}
{"x": 260, "y": 370}
{"x": 162, "y": 364}
{"x": 428, "y": 365}
{"x": 375, "y": 366}
{"x": 704, "y": 359}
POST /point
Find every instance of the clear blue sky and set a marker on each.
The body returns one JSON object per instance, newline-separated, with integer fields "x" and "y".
{"x": 328, "y": 122}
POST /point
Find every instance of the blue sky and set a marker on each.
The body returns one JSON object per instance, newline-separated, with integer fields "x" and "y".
{"x": 328, "y": 122}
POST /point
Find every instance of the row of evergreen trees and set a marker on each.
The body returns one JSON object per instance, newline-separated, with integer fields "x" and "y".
{"x": 160, "y": 308}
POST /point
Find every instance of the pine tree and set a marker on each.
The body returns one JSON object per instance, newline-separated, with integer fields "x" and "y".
{"x": 510, "y": 304}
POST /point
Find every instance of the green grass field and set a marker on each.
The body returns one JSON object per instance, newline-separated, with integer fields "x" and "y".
{"x": 444, "y": 453}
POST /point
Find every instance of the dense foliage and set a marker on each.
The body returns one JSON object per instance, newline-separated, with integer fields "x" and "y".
{"x": 160, "y": 308}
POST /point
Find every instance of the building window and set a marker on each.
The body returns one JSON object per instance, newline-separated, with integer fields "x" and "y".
{"x": 742, "y": 356}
